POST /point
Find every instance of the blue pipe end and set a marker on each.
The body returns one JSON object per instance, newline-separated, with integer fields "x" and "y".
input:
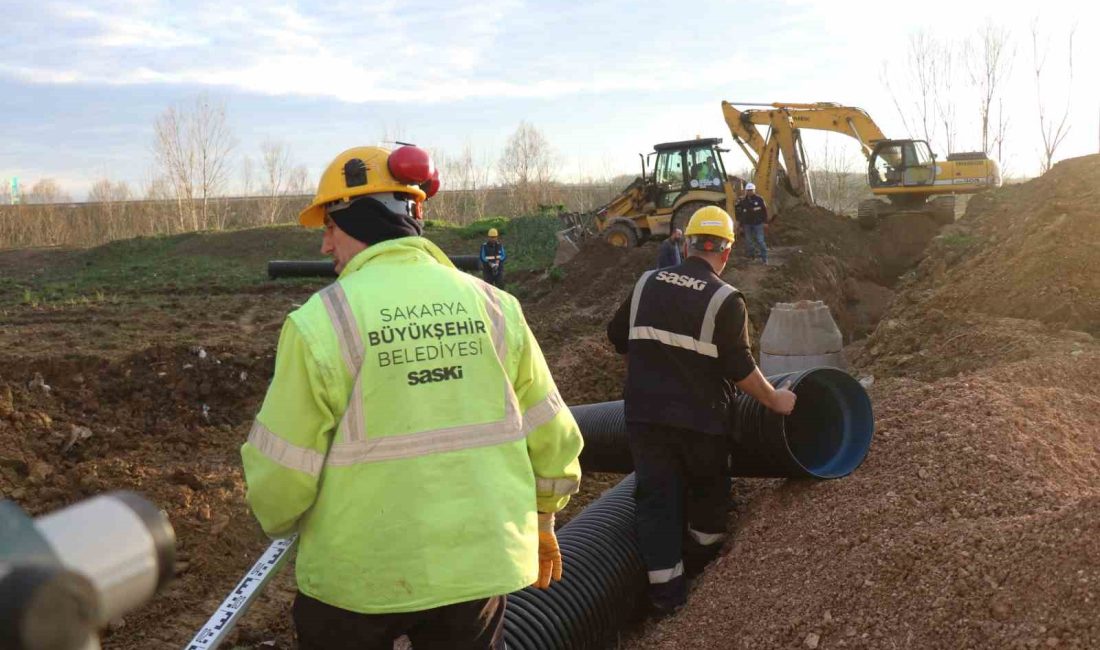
{"x": 829, "y": 433}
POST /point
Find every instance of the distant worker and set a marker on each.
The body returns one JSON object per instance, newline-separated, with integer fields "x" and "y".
{"x": 410, "y": 431}
{"x": 669, "y": 252}
{"x": 752, "y": 214}
{"x": 685, "y": 334}
{"x": 492, "y": 259}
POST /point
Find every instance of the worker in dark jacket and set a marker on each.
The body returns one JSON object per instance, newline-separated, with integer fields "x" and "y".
{"x": 752, "y": 214}
{"x": 492, "y": 259}
{"x": 685, "y": 334}
{"x": 669, "y": 252}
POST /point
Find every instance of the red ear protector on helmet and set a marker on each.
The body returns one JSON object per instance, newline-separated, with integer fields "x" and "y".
{"x": 413, "y": 165}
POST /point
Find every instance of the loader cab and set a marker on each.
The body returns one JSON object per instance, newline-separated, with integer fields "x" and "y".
{"x": 686, "y": 166}
{"x": 901, "y": 163}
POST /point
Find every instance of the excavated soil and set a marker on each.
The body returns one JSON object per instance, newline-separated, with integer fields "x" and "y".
{"x": 973, "y": 521}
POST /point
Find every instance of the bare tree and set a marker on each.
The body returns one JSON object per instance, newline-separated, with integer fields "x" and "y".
{"x": 47, "y": 191}
{"x": 192, "y": 147}
{"x": 836, "y": 178}
{"x": 275, "y": 157}
{"x": 990, "y": 56}
{"x": 525, "y": 166}
{"x": 465, "y": 185}
{"x": 944, "y": 75}
{"x": 248, "y": 176}
{"x": 298, "y": 182}
{"x": 111, "y": 201}
{"x": 924, "y": 88}
{"x": 1052, "y": 129}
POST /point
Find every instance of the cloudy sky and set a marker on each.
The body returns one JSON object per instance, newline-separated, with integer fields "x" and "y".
{"x": 82, "y": 82}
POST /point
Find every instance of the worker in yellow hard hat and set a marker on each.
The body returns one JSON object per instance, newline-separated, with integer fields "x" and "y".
{"x": 685, "y": 334}
{"x": 412, "y": 435}
{"x": 492, "y": 259}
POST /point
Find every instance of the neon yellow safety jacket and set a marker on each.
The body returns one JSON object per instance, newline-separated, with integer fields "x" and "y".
{"x": 410, "y": 432}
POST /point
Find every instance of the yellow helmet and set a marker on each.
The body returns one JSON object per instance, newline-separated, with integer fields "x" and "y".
{"x": 356, "y": 172}
{"x": 493, "y": 232}
{"x": 711, "y": 221}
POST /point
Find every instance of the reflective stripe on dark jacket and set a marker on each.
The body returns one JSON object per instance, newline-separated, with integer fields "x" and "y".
{"x": 492, "y": 251}
{"x": 685, "y": 332}
{"x": 751, "y": 210}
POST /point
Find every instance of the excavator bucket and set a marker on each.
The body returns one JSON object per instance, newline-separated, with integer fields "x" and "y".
{"x": 570, "y": 237}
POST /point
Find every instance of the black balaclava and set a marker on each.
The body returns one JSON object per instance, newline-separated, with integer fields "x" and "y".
{"x": 371, "y": 221}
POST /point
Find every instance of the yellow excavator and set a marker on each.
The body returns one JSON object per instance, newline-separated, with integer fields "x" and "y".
{"x": 904, "y": 175}
{"x": 686, "y": 176}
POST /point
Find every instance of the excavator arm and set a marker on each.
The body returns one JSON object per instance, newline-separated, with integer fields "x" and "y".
{"x": 785, "y": 121}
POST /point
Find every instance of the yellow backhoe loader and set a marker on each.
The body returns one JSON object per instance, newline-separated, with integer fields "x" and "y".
{"x": 905, "y": 173}
{"x": 686, "y": 176}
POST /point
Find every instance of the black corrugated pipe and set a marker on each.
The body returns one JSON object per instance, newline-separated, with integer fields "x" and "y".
{"x": 827, "y": 436}
{"x": 604, "y": 428}
{"x": 324, "y": 268}
{"x": 603, "y": 581}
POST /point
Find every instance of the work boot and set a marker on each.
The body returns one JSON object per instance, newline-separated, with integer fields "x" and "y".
{"x": 666, "y": 598}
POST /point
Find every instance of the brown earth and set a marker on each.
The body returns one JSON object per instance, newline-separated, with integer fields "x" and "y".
{"x": 973, "y": 522}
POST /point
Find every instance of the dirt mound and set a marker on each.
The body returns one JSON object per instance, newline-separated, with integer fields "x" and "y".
{"x": 166, "y": 422}
{"x": 1028, "y": 251}
{"x": 999, "y": 285}
{"x": 971, "y": 524}
{"x": 973, "y": 521}
{"x": 569, "y": 315}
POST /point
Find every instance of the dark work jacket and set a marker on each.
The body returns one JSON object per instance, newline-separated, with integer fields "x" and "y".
{"x": 668, "y": 254}
{"x": 686, "y": 340}
{"x": 494, "y": 250}
{"x": 751, "y": 210}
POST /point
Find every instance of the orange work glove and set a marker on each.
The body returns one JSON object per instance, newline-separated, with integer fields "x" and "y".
{"x": 549, "y": 553}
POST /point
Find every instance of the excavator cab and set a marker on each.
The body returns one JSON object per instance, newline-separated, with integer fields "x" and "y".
{"x": 902, "y": 163}
{"x": 684, "y": 167}
{"x": 685, "y": 176}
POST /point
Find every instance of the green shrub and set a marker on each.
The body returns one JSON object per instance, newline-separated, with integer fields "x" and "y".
{"x": 479, "y": 229}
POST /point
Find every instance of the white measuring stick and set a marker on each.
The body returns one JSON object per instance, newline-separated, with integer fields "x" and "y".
{"x": 231, "y": 610}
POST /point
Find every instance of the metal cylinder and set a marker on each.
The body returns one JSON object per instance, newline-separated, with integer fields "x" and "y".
{"x": 120, "y": 542}
{"x": 324, "y": 268}
{"x": 827, "y": 436}
{"x": 603, "y": 581}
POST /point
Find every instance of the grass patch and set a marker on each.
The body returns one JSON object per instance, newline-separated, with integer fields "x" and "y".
{"x": 230, "y": 260}
{"x": 959, "y": 239}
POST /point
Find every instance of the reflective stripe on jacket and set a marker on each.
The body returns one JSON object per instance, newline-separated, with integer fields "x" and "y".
{"x": 410, "y": 432}
{"x": 685, "y": 333}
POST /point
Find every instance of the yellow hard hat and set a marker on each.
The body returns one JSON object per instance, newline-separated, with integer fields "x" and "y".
{"x": 711, "y": 221}
{"x": 356, "y": 172}
{"x": 492, "y": 232}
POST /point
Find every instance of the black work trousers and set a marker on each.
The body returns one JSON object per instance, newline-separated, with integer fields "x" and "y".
{"x": 682, "y": 501}
{"x": 473, "y": 625}
{"x": 493, "y": 277}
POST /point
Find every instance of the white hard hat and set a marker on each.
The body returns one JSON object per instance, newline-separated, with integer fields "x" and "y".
{"x": 751, "y": 186}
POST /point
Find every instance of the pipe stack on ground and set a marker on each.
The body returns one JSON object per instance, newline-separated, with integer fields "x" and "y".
{"x": 799, "y": 336}
{"x": 827, "y": 436}
{"x": 324, "y": 268}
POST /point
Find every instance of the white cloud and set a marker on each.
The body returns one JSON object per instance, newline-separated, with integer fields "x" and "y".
{"x": 389, "y": 52}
